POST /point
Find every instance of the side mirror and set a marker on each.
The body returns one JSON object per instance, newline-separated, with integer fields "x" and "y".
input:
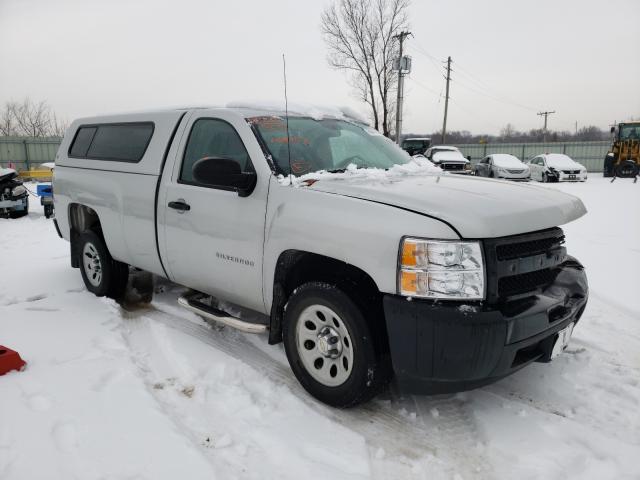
{"x": 225, "y": 174}
{"x": 613, "y": 129}
{"x": 469, "y": 157}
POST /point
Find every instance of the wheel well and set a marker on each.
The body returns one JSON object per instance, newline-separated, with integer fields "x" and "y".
{"x": 81, "y": 219}
{"x": 295, "y": 267}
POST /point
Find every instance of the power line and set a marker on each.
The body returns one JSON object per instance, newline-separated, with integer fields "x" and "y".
{"x": 493, "y": 97}
{"x": 429, "y": 89}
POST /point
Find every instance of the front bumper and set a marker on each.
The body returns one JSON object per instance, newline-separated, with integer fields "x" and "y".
{"x": 576, "y": 178}
{"x": 570, "y": 177}
{"x": 445, "y": 347}
{"x": 516, "y": 178}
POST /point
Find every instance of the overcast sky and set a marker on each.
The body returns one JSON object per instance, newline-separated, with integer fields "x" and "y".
{"x": 511, "y": 59}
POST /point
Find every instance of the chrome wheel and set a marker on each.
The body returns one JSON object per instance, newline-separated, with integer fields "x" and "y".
{"x": 92, "y": 264}
{"x": 324, "y": 345}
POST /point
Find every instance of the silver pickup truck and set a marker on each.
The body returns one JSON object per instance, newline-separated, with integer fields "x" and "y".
{"x": 317, "y": 230}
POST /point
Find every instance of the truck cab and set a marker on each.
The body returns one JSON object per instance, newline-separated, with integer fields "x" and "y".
{"x": 311, "y": 226}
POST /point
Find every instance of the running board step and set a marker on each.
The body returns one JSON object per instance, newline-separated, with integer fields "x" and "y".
{"x": 192, "y": 302}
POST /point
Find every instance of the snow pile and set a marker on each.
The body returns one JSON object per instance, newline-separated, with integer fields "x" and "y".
{"x": 417, "y": 166}
{"x": 317, "y": 112}
{"x": 156, "y": 393}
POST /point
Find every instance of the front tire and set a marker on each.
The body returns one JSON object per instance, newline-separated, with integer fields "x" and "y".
{"x": 627, "y": 169}
{"x": 102, "y": 275}
{"x": 330, "y": 346}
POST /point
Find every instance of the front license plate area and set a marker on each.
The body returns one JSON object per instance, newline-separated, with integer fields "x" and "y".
{"x": 564, "y": 336}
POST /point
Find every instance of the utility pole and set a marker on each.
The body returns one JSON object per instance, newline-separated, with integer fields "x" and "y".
{"x": 446, "y": 102}
{"x": 401, "y": 36}
{"x": 544, "y": 131}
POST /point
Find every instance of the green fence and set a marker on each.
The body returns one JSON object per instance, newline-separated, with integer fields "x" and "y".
{"x": 589, "y": 154}
{"x": 24, "y": 153}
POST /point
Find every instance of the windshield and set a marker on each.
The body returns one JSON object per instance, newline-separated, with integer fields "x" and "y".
{"x": 630, "y": 132}
{"x": 505, "y": 160}
{"x": 559, "y": 160}
{"x": 326, "y": 144}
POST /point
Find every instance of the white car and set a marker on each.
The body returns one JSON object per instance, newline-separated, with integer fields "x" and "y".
{"x": 449, "y": 159}
{"x": 556, "y": 167}
{"x": 503, "y": 165}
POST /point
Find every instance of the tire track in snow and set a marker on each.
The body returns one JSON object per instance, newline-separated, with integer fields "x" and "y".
{"x": 401, "y": 443}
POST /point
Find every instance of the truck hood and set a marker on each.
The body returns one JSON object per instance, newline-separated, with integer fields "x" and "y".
{"x": 475, "y": 207}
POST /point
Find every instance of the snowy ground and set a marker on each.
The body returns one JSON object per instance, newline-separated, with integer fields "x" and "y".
{"x": 156, "y": 393}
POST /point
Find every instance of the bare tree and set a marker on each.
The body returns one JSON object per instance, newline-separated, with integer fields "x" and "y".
{"x": 30, "y": 119}
{"x": 8, "y": 124}
{"x": 359, "y": 35}
{"x": 33, "y": 118}
{"x": 57, "y": 126}
{"x": 509, "y": 131}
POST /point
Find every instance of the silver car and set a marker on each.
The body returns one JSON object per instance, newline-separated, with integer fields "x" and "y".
{"x": 503, "y": 165}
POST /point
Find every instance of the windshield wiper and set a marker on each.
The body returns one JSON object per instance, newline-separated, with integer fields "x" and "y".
{"x": 337, "y": 170}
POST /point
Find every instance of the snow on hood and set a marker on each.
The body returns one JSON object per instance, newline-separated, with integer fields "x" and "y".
{"x": 449, "y": 155}
{"x": 506, "y": 160}
{"x": 476, "y": 207}
{"x": 419, "y": 166}
{"x": 317, "y": 112}
{"x": 558, "y": 160}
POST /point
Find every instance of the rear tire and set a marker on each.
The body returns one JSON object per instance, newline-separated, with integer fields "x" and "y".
{"x": 608, "y": 166}
{"x": 330, "y": 346}
{"x": 102, "y": 275}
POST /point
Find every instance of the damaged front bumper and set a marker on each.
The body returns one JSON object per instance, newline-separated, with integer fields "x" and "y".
{"x": 444, "y": 347}
{"x": 13, "y": 204}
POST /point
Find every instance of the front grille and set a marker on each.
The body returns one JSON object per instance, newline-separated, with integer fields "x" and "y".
{"x": 571, "y": 172}
{"x": 522, "y": 264}
{"x": 452, "y": 166}
{"x": 528, "y": 248}
{"x": 525, "y": 282}
{"x": 515, "y": 171}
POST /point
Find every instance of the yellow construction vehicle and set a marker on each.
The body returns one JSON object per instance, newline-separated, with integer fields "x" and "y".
{"x": 623, "y": 160}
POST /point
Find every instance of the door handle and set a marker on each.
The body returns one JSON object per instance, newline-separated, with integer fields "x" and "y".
{"x": 180, "y": 205}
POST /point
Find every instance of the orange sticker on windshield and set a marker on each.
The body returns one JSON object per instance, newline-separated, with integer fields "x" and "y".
{"x": 293, "y": 139}
{"x": 300, "y": 166}
{"x": 268, "y": 123}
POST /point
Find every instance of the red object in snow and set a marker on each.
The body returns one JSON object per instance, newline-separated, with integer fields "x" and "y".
{"x": 10, "y": 360}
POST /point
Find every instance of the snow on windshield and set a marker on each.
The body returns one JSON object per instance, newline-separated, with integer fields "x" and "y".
{"x": 558, "y": 160}
{"x": 317, "y": 112}
{"x": 506, "y": 160}
{"x": 449, "y": 155}
{"x": 418, "y": 166}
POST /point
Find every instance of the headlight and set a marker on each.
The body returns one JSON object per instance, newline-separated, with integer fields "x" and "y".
{"x": 450, "y": 270}
{"x": 467, "y": 166}
{"x": 17, "y": 191}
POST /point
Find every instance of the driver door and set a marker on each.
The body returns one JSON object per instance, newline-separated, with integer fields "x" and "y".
{"x": 211, "y": 239}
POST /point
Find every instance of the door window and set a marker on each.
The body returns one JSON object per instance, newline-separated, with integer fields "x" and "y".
{"x": 211, "y": 137}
